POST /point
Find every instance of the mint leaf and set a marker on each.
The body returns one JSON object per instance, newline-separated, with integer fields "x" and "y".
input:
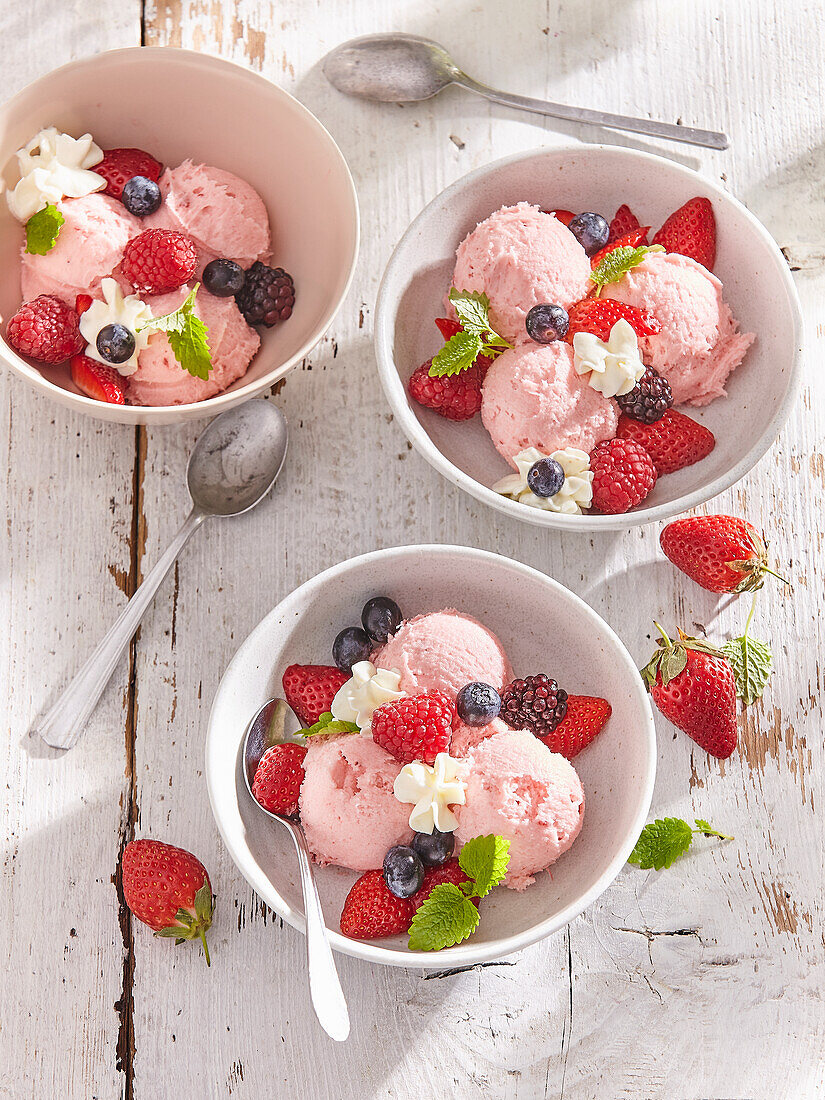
{"x": 661, "y": 842}
{"x": 485, "y": 859}
{"x": 617, "y": 263}
{"x": 458, "y": 354}
{"x": 328, "y": 724}
{"x": 472, "y": 308}
{"x": 446, "y": 918}
{"x": 707, "y": 829}
{"x": 187, "y": 336}
{"x": 475, "y": 337}
{"x": 752, "y": 663}
{"x": 42, "y": 229}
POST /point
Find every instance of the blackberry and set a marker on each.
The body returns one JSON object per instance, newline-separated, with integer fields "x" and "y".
{"x": 649, "y": 399}
{"x": 536, "y": 703}
{"x": 267, "y": 296}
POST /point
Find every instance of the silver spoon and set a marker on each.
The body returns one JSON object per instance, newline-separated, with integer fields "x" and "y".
{"x": 403, "y": 68}
{"x": 232, "y": 467}
{"x": 276, "y": 722}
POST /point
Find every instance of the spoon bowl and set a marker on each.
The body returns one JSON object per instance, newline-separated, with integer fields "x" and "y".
{"x": 275, "y": 723}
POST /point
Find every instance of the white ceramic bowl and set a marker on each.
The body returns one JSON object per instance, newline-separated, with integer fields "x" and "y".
{"x": 533, "y": 616}
{"x": 758, "y": 287}
{"x": 178, "y": 104}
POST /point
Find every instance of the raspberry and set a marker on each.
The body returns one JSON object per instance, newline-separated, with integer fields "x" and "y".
{"x": 120, "y": 165}
{"x": 278, "y": 778}
{"x": 159, "y": 260}
{"x": 457, "y": 397}
{"x": 623, "y": 475}
{"x": 536, "y": 703}
{"x": 416, "y": 728}
{"x": 267, "y": 295}
{"x": 46, "y": 329}
{"x": 649, "y": 399}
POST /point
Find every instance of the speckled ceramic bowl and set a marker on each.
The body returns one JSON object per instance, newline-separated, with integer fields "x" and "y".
{"x": 531, "y": 614}
{"x": 758, "y": 287}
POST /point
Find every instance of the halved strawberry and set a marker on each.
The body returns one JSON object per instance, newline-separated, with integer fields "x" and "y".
{"x": 624, "y": 221}
{"x": 119, "y": 165}
{"x": 630, "y": 239}
{"x": 673, "y": 442}
{"x": 586, "y": 717}
{"x": 82, "y": 303}
{"x": 691, "y": 231}
{"x": 564, "y": 216}
{"x": 447, "y": 327}
{"x": 310, "y": 689}
{"x": 599, "y": 315}
{"x": 97, "y": 380}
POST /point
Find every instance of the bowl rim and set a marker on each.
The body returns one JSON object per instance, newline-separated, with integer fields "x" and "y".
{"x": 466, "y": 954}
{"x": 221, "y": 401}
{"x": 395, "y": 391}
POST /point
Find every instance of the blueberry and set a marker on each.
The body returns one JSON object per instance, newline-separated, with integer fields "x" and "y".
{"x": 477, "y": 704}
{"x": 545, "y": 477}
{"x": 116, "y": 343}
{"x": 140, "y": 196}
{"x": 380, "y": 618}
{"x": 433, "y": 848}
{"x": 351, "y": 645}
{"x": 590, "y": 230}
{"x": 403, "y": 871}
{"x": 547, "y": 322}
{"x": 223, "y": 278}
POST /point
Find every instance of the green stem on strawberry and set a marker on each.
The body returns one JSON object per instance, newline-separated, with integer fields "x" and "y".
{"x": 202, "y": 933}
{"x": 661, "y": 630}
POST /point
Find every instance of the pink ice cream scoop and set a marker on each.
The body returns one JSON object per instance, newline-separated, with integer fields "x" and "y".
{"x": 444, "y": 650}
{"x": 161, "y": 380}
{"x": 519, "y": 789}
{"x": 699, "y": 343}
{"x": 465, "y": 738}
{"x": 532, "y": 397}
{"x": 89, "y": 246}
{"x": 347, "y": 806}
{"x": 520, "y": 256}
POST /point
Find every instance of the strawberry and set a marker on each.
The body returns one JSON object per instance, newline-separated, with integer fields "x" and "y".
{"x": 433, "y": 876}
{"x": 623, "y": 475}
{"x": 599, "y": 315}
{"x": 278, "y": 778}
{"x": 119, "y": 165}
{"x": 417, "y": 727}
{"x": 82, "y": 303}
{"x": 46, "y": 329}
{"x": 97, "y": 380}
{"x": 158, "y": 260}
{"x": 168, "y": 889}
{"x": 586, "y": 717}
{"x": 371, "y": 912}
{"x": 691, "y": 231}
{"x": 457, "y": 397}
{"x": 692, "y": 684}
{"x": 673, "y": 442}
{"x": 630, "y": 239}
{"x": 310, "y": 689}
{"x": 721, "y": 553}
{"x": 564, "y": 216}
{"x": 447, "y": 327}
{"x": 624, "y": 221}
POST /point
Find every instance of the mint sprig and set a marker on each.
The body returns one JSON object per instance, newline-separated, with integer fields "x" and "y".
{"x": 665, "y": 839}
{"x": 476, "y": 336}
{"x": 187, "y": 335}
{"x": 42, "y": 230}
{"x": 751, "y": 661}
{"x": 327, "y": 723}
{"x": 449, "y": 916}
{"x": 619, "y": 262}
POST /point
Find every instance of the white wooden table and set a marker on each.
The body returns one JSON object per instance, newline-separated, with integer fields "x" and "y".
{"x": 703, "y": 981}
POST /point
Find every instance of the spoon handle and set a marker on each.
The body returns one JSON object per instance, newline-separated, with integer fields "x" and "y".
{"x": 711, "y": 139}
{"x": 64, "y": 722}
{"x": 324, "y": 983}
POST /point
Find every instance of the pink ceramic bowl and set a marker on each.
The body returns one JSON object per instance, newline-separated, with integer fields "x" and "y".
{"x": 178, "y": 104}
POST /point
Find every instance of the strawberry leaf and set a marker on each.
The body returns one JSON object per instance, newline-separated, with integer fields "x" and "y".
{"x": 752, "y": 664}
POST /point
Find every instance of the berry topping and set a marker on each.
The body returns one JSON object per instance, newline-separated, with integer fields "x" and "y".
{"x": 45, "y": 329}
{"x": 97, "y": 381}
{"x": 115, "y": 343}
{"x": 586, "y": 716}
{"x": 434, "y": 876}
{"x": 691, "y": 231}
{"x": 564, "y": 216}
{"x": 371, "y": 912}
{"x": 381, "y": 617}
{"x": 223, "y": 278}
{"x": 590, "y": 230}
{"x": 599, "y": 315}
{"x": 673, "y": 442}
{"x": 403, "y": 871}
{"x": 267, "y": 296}
{"x": 447, "y": 326}
{"x": 477, "y": 704}
{"x": 536, "y": 703}
{"x": 624, "y": 221}
{"x": 433, "y": 848}
{"x": 417, "y": 727}
{"x": 546, "y": 322}
{"x": 159, "y": 260}
{"x": 140, "y": 196}
{"x": 721, "y": 553}
{"x": 649, "y": 399}
{"x": 623, "y": 475}
{"x": 546, "y": 477}
{"x": 628, "y": 240}
{"x": 351, "y": 645}
{"x": 120, "y": 165}
{"x": 278, "y": 778}
{"x": 82, "y": 303}
{"x": 456, "y": 397}
{"x": 310, "y": 689}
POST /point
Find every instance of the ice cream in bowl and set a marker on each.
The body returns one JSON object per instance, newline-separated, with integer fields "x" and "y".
{"x": 167, "y": 262}
{"x": 475, "y": 740}
{"x": 588, "y": 338}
